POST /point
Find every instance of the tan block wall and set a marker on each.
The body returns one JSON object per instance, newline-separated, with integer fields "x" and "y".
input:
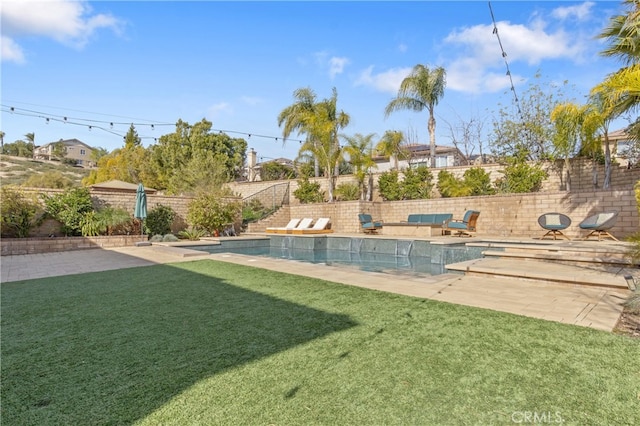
{"x": 18, "y": 246}
{"x": 501, "y": 215}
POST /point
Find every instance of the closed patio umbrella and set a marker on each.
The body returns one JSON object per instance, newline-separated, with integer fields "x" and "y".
{"x": 140, "y": 211}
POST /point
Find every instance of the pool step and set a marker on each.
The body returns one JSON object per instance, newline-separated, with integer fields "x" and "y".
{"x": 563, "y": 256}
{"x": 179, "y": 251}
{"x": 554, "y": 272}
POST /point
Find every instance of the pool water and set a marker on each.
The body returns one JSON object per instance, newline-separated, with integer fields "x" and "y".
{"x": 393, "y": 256}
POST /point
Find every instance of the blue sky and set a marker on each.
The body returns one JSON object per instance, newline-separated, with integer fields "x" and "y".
{"x": 237, "y": 64}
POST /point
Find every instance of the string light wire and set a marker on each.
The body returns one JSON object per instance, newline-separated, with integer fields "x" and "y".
{"x": 91, "y": 124}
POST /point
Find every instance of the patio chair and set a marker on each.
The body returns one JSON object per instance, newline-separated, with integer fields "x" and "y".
{"x": 466, "y": 226}
{"x": 599, "y": 225}
{"x": 554, "y": 224}
{"x": 368, "y": 225}
{"x": 322, "y": 226}
{"x": 283, "y": 229}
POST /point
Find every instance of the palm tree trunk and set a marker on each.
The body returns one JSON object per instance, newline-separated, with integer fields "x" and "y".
{"x": 607, "y": 163}
{"x": 432, "y": 138}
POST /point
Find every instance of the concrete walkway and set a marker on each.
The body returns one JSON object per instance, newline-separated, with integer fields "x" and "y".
{"x": 587, "y": 306}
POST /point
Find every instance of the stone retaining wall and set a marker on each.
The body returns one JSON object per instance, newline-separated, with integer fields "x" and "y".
{"x": 17, "y": 246}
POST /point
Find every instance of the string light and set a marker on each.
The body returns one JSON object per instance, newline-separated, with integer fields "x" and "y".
{"x": 109, "y": 125}
{"x": 504, "y": 55}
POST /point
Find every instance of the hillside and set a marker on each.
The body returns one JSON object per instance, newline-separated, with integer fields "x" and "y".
{"x": 17, "y": 170}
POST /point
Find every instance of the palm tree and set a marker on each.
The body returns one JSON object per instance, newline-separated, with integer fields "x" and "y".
{"x": 296, "y": 118}
{"x": 360, "y": 151}
{"x": 622, "y": 33}
{"x": 391, "y": 145}
{"x": 619, "y": 93}
{"x": 421, "y": 89}
{"x": 568, "y": 119}
{"x": 321, "y": 122}
{"x": 2, "y": 142}
{"x": 31, "y": 141}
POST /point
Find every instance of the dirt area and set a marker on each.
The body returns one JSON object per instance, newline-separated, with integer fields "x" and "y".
{"x": 629, "y": 324}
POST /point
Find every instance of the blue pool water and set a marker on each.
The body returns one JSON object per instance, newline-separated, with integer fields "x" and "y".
{"x": 378, "y": 255}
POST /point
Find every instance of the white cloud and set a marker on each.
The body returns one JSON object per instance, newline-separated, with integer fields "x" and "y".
{"x": 67, "y": 21}
{"x": 336, "y": 65}
{"x": 388, "y": 81}
{"x": 479, "y": 64}
{"x": 10, "y": 51}
{"x": 581, "y": 11}
{"x": 216, "y": 109}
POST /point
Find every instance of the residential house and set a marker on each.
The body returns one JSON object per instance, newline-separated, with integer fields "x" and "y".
{"x": 73, "y": 150}
{"x": 619, "y": 144}
{"x": 419, "y": 154}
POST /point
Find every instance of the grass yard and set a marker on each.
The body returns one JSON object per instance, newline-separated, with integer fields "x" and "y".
{"x": 206, "y": 342}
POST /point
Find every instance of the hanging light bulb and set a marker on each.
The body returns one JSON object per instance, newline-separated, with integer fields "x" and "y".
{"x": 89, "y": 128}
{"x": 47, "y": 121}
{"x": 153, "y": 127}
{"x": 111, "y": 125}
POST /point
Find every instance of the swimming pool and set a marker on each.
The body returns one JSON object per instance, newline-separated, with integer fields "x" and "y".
{"x": 393, "y": 256}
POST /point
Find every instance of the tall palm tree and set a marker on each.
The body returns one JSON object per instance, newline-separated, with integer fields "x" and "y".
{"x": 421, "y": 89}
{"x": 31, "y": 141}
{"x": 391, "y": 145}
{"x": 296, "y": 118}
{"x": 360, "y": 151}
{"x": 619, "y": 93}
{"x": 321, "y": 122}
{"x": 568, "y": 119}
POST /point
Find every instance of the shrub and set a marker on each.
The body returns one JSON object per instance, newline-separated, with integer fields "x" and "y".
{"x": 69, "y": 208}
{"x": 347, "y": 192}
{"x": 193, "y": 234}
{"x": 170, "y": 238}
{"x": 104, "y": 221}
{"x": 273, "y": 170}
{"x": 156, "y": 238}
{"x": 49, "y": 179}
{"x": 476, "y": 181}
{"x": 417, "y": 183}
{"x": 18, "y": 213}
{"x": 208, "y": 212}
{"x": 159, "y": 220}
{"x": 389, "y": 186}
{"x": 308, "y": 192}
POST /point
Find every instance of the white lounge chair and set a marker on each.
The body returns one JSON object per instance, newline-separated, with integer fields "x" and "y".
{"x": 322, "y": 226}
{"x": 283, "y": 229}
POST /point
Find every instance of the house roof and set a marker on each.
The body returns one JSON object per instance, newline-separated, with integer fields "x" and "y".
{"x": 67, "y": 142}
{"x": 120, "y": 186}
{"x": 620, "y": 134}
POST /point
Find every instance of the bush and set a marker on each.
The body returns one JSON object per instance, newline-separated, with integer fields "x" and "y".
{"x": 159, "y": 220}
{"x": 273, "y": 170}
{"x": 208, "y": 212}
{"x": 49, "y": 179}
{"x": 417, "y": 183}
{"x": 308, "y": 192}
{"x": 347, "y": 192}
{"x": 156, "y": 238}
{"x": 192, "y": 234}
{"x": 104, "y": 221}
{"x": 170, "y": 238}
{"x": 18, "y": 213}
{"x": 389, "y": 186}
{"x": 476, "y": 181}
{"x": 69, "y": 208}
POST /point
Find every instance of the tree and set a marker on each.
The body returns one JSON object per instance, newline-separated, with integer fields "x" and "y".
{"x": 568, "y": 119}
{"x": 193, "y": 158}
{"x": 321, "y": 122}
{"x": 392, "y": 145}
{"x": 359, "y": 149}
{"x": 422, "y": 89}
{"x": 295, "y": 118}
{"x": 18, "y": 213}
{"x": 620, "y": 91}
{"x": 525, "y": 127}
{"x": 466, "y": 136}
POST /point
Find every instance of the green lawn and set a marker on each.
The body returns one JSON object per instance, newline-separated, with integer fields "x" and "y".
{"x": 206, "y": 342}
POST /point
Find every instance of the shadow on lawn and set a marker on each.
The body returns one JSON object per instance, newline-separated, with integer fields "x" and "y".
{"x": 115, "y": 346}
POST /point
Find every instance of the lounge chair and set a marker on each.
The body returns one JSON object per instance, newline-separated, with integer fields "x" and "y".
{"x": 368, "y": 225}
{"x": 322, "y": 226}
{"x": 554, "y": 224}
{"x": 599, "y": 225}
{"x": 466, "y": 226}
{"x": 283, "y": 229}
